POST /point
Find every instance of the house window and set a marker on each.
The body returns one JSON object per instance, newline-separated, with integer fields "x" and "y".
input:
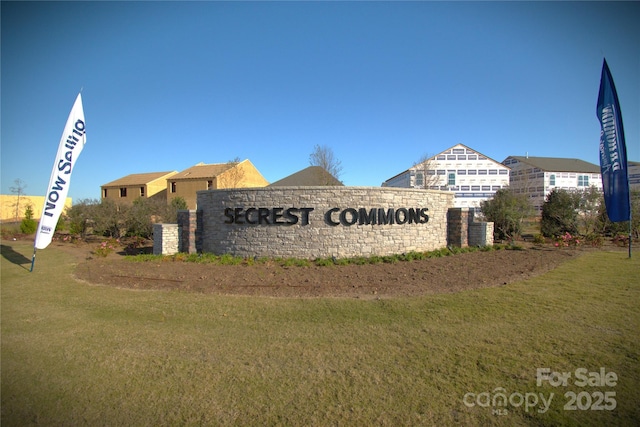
{"x": 173, "y": 187}
{"x": 452, "y": 179}
{"x": 141, "y": 191}
{"x": 104, "y": 193}
{"x": 123, "y": 192}
{"x": 583, "y": 180}
{"x": 209, "y": 185}
{"x": 552, "y": 179}
{"x": 419, "y": 179}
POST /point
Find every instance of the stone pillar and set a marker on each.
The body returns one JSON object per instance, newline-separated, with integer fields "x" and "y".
{"x": 458, "y": 227}
{"x": 478, "y": 234}
{"x": 165, "y": 239}
{"x": 188, "y": 231}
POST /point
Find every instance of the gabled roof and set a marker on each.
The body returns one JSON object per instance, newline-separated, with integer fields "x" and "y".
{"x": 203, "y": 171}
{"x": 311, "y": 176}
{"x": 555, "y": 164}
{"x": 467, "y": 151}
{"x": 447, "y": 151}
{"x": 139, "y": 179}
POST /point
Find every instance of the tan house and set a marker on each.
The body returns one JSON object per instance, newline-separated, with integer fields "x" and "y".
{"x": 152, "y": 185}
{"x": 211, "y": 177}
{"x": 12, "y": 207}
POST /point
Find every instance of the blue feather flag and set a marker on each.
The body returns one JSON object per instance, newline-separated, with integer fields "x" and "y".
{"x": 613, "y": 151}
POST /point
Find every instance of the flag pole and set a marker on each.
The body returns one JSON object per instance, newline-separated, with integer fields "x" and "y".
{"x": 33, "y": 259}
{"x": 630, "y": 232}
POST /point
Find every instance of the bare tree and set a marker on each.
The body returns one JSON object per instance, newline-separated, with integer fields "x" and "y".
{"x": 426, "y": 175}
{"x": 18, "y": 190}
{"x": 323, "y": 156}
{"x": 232, "y": 177}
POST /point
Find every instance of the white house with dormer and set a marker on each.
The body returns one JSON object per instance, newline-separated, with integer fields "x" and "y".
{"x": 537, "y": 176}
{"x": 471, "y": 175}
{"x": 634, "y": 175}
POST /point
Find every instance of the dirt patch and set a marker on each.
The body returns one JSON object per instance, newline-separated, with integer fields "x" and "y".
{"x": 403, "y": 278}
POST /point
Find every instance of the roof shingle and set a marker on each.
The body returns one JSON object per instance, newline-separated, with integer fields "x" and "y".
{"x": 139, "y": 179}
{"x": 555, "y": 164}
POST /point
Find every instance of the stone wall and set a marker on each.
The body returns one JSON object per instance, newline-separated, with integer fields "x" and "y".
{"x": 311, "y": 222}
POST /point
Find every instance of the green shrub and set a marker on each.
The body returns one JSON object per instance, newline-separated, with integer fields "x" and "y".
{"x": 375, "y": 259}
{"x": 106, "y": 247}
{"x": 228, "y": 259}
{"x": 560, "y": 213}
{"x": 595, "y": 240}
{"x": 323, "y": 262}
{"x": 28, "y": 224}
{"x": 539, "y": 239}
{"x": 507, "y": 210}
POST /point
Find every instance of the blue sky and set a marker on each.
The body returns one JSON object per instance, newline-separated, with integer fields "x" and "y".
{"x": 167, "y": 85}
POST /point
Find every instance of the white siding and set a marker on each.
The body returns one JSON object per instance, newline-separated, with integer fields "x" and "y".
{"x": 537, "y": 184}
{"x": 472, "y": 176}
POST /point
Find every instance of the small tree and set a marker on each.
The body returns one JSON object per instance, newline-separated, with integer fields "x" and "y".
{"x": 18, "y": 190}
{"x": 79, "y": 216}
{"x": 28, "y": 224}
{"x": 323, "y": 156}
{"x": 426, "y": 166}
{"x": 560, "y": 213}
{"x": 507, "y": 210}
{"x": 109, "y": 218}
{"x": 232, "y": 177}
{"x": 138, "y": 219}
{"x": 171, "y": 212}
{"x": 589, "y": 203}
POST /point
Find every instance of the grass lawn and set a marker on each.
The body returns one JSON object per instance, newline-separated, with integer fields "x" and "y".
{"x": 77, "y": 354}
